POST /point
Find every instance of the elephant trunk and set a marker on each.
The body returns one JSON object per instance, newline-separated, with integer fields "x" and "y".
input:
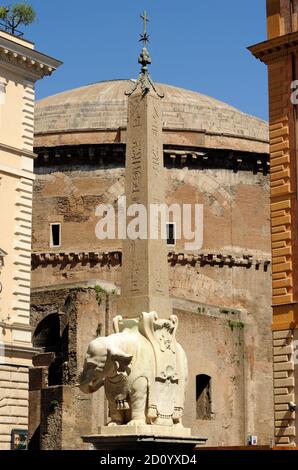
{"x": 91, "y": 387}
{"x": 88, "y": 383}
{"x": 85, "y": 388}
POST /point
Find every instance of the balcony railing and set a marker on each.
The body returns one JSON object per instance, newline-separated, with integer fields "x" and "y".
{"x": 8, "y": 29}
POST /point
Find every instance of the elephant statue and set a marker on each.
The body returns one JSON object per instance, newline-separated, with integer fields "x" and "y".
{"x": 143, "y": 370}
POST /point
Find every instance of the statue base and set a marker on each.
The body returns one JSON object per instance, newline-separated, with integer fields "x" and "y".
{"x": 144, "y": 438}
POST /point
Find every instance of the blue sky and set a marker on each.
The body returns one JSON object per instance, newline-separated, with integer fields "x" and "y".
{"x": 195, "y": 44}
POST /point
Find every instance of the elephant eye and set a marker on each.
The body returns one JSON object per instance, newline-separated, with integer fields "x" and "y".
{"x": 92, "y": 364}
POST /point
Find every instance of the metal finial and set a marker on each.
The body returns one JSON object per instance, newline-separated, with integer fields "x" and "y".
{"x": 144, "y": 79}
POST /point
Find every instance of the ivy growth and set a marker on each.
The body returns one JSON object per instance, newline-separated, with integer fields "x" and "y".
{"x": 53, "y": 405}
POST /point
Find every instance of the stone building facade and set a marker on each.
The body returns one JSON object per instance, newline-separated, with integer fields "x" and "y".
{"x": 20, "y": 67}
{"x": 279, "y": 52}
{"x": 215, "y": 156}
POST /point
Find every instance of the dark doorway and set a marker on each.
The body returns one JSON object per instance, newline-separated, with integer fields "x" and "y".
{"x": 47, "y": 336}
{"x": 203, "y": 397}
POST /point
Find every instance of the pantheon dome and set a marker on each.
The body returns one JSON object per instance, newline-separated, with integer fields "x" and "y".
{"x": 97, "y": 114}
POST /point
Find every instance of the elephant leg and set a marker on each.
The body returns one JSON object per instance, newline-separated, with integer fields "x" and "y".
{"x": 178, "y": 423}
{"x": 138, "y": 400}
{"x": 117, "y": 416}
{"x": 177, "y": 417}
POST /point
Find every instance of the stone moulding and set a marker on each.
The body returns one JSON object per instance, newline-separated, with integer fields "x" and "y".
{"x": 28, "y": 59}
{"x": 114, "y": 154}
{"x": 114, "y": 258}
{"x": 274, "y": 49}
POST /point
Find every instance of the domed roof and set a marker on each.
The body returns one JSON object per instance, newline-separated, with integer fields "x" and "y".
{"x": 103, "y": 106}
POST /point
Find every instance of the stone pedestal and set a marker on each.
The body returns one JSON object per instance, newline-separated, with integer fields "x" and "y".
{"x": 144, "y": 438}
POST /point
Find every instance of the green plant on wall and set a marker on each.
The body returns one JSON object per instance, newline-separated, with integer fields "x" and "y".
{"x": 53, "y": 405}
{"x": 16, "y": 15}
{"x": 99, "y": 292}
{"x": 235, "y": 325}
{"x": 99, "y": 289}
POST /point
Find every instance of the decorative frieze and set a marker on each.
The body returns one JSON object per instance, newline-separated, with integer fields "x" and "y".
{"x": 218, "y": 259}
{"x": 114, "y": 258}
{"x": 25, "y": 58}
{"x": 113, "y": 155}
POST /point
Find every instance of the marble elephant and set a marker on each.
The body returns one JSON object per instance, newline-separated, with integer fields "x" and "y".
{"x": 124, "y": 364}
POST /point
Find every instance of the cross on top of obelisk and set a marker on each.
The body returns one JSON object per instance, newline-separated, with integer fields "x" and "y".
{"x": 144, "y": 79}
{"x": 144, "y": 35}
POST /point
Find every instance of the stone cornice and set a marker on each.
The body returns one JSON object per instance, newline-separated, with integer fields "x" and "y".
{"x": 219, "y": 259}
{"x": 106, "y": 258}
{"x": 217, "y": 134}
{"x": 114, "y": 258}
{"x": 17, "y": 151}
{"x": 27, "y": 59}
{"x": 98, "y": 156}
{"x": 210, "y": 310}
{"x": 274, "y": 49}
{"x": 19, "y": 351}
{"x": 165, "y": 130}
{"x": 16, "y": 326}
{"x": 16, "y": 172}
{"x": 186, "y": 138}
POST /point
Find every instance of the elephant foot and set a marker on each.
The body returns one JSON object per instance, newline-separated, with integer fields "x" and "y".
{"x": 114, "y": 423}
{"x": 136, "y": 422}
{"x": 178, "y": 425}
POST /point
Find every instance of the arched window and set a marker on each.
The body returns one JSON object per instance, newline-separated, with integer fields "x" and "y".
{"x": 203, "y": 396}
{"x": 47, "y": 334}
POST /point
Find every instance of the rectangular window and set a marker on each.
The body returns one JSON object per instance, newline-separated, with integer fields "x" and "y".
{"x": 171, "y": 235}
{"x": 55, "y": 235}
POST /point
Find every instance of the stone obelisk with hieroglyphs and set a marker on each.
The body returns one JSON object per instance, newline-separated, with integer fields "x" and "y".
{"x": 142, "y": 366}
{"x": 145, "y": 279}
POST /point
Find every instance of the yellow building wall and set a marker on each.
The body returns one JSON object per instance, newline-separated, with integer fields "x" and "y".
{"x": 18, "y": 73}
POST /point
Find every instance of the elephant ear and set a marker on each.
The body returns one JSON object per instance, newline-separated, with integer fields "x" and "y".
{"x": 121, "y": 357}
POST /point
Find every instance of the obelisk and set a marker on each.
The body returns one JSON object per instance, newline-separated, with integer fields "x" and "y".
{"x": 143, "y": 367}
{"x": 145, "y": 277}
